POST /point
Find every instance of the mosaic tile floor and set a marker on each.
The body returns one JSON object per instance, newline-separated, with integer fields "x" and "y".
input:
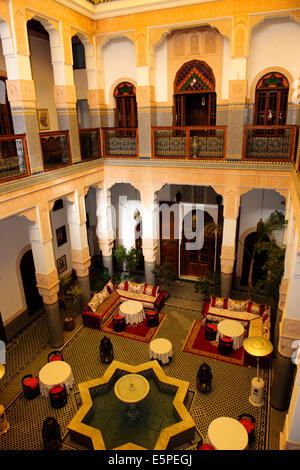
{"x": 229, "y": 396}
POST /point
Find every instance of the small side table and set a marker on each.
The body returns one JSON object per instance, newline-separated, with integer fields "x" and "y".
{"x": 161, "y": 349}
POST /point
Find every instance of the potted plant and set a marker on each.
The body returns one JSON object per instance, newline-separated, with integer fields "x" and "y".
{"x": 209, "y": 284}
{"x": 164, "y": 276}
{"x": 69, "y": 300}
{"x": 274, "y": 222}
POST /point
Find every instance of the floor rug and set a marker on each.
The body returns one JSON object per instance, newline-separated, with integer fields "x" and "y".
{"x": 140, "y": 332}
{"x": 196, "y": 343}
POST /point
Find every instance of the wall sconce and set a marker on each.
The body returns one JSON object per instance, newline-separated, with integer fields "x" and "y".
{"x": 203, "y": 101}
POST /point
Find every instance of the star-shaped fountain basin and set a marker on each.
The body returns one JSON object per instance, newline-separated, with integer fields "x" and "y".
{"x": 112, "y": 419}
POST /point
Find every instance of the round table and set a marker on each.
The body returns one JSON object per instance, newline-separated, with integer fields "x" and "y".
{"x": 55, "y": 373}
{"x": 227, "y": 434}
{"x": 133, "y": 311}
{"x": 161, "y": 349}
{"x": 233, "y": 329}
{"x": 131, "y": 389}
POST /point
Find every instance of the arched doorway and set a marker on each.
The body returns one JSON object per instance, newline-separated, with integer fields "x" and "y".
{"x": 194, "y": 95}
{"x": 196, "y": 262}
{"x": 33, "y": 299}
{"x": 260, "y": 260}
{"x": 271, "y": 100}
{"x": 126, "y": 107}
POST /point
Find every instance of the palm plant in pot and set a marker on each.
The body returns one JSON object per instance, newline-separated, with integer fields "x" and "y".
{"x": 69, "y": 300}
{"x": 164, "y": 276}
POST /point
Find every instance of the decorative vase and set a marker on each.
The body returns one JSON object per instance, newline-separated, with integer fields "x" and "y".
{"x": 69, "y": 323}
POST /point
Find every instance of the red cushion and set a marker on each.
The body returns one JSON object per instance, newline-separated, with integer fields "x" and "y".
{"x": 31, "y": 382}
{"x": 154, "y": 291}
{"x": 261, "y": 309}
{"x": 118, "y": 318}
{"x": 248, "y": 425}
{"x": 225, "y": 303}
{"x": 227, "y": 339}
{"x": 145, "y": 287}
{"x": 55, "y": 357}
{"x": 249, "y": 306}
{"x": 57, "y": 389}
{"x": 212, "y": 326}
{"x": 206, "y": 447}
{"x": 213, "y": 301}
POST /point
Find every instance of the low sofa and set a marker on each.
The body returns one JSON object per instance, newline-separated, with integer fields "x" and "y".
{"x": 103, "y": 304}
{"x": 256, "y": 318}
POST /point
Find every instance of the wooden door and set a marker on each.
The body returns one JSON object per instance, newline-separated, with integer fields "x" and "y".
{"x": 169, "y": 246}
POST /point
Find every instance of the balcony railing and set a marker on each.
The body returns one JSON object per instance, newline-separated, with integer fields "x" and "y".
{"x": 55, "y": 149}
{"x": 14, "y": 162}
{"x": 269, "y": 143}
{"x": 117, "y": 142}
{"x": 189, "y": 142}
{"x": 90, "y": 145}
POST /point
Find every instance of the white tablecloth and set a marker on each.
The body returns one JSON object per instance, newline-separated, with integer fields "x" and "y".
{"x": 133, "y": 311}
{"x": 232, "y": 328}
{"x": 55, "y": 373}
{"x": 227, "y": 434}
{"x": 161, "y": 349}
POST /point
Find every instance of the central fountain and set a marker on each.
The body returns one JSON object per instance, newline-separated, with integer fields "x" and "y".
{"x": 132, "y": 407}
{"x": 131, "y": 389}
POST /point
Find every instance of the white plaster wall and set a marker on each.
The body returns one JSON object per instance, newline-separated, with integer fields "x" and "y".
{"x": 274, "y": 43}
{"x": 161, "y": 72}
{"x": 58, "y": 219}
{"x": 13, "y": 239}
{"x": 119, "y": 62}
{"x": 42, "y": 73}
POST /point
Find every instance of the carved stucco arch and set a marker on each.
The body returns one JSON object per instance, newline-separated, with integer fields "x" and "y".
{"x": 263, "y": 72}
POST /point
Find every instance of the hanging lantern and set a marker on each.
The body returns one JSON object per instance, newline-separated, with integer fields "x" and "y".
{"x": 137, "y": 214}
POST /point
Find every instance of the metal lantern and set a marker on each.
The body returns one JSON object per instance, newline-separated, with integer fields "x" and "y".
{"x": 204, "y": 378}
{"x": 106, "y": 350}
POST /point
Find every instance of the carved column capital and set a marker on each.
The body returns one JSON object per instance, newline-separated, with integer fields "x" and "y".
{"x": 48, "y": 286}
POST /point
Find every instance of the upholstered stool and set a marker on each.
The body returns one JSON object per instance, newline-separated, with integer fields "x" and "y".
{"x": 55, "y": 356}
{"x": 152, "y": 319}
{"x": 248, "y": 421}
{"x": 211, "y": 331}
{"x": 225, "y": 345}
{"x": 119, "y": 323}
{"x": 30, "y": 386}
{"x": 58, "y": 396}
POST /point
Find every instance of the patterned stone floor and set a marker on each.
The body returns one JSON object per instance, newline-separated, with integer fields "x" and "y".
{"x": 28, "y": 353}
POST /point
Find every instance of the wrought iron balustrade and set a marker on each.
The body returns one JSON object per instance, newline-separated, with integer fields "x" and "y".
{"x": 90, "y": 145}
{"x": 120, "y": 142}
{"x": 55, "y": 149}
{"x": 269, "y": 143}
{"x": 189, "y": 142}
{"x": 14, "y": 161}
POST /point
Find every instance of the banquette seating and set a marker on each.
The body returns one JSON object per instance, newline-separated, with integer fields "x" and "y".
{"x": 104, "y": 303}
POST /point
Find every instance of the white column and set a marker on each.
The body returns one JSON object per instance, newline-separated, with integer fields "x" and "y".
{"x": 40, "y": 236}
{"x": 81, "y": 260}
{"x": 105, "y": 226}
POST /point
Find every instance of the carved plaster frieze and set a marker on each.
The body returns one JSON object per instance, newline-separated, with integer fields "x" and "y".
{"x": 21, "y": 93}
{"x": 106, "y": 245}
{"x": 65, "y": 96}
{"x": 95, "y": 99}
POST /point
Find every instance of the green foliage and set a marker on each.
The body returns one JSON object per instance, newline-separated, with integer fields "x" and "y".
{"x": 164, "y": 274}
{"x": 209, "y": 284}
{"x": 131, "y": 258}
{"x": 273, "y": 268}
{"x": 274, "y": 222}
{"x": 69, "y": 296}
